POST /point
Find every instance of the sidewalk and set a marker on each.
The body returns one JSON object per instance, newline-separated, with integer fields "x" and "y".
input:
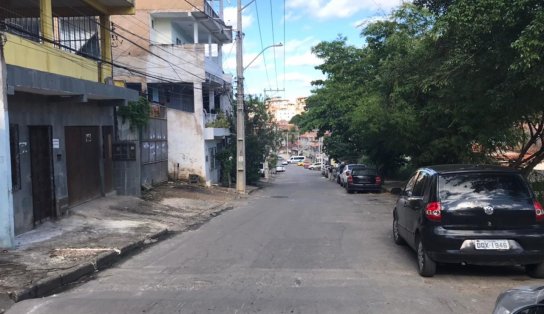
{"x": 98, "y": 233}
{"x": 388, "y": 185}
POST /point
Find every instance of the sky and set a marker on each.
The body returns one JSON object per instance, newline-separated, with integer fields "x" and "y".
{"x": 299, "y": 25}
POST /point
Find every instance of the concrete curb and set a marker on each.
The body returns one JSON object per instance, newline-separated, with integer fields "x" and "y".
{"x": 48, "y": 285}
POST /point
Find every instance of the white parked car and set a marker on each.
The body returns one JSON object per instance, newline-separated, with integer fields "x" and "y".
{"x": 315, "y": 166}
{"x": 280, "y": 168}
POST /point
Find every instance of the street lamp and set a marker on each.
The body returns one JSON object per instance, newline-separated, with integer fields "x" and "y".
{"x": 240, "y": 123}
{"x": 260, "y": 53}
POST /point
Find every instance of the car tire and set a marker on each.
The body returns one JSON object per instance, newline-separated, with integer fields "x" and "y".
{"x": 535, "y": 270}
{"x": 396, "y": 236}
{"x": 350, "y": 191}
{"x": 426, "y": 267}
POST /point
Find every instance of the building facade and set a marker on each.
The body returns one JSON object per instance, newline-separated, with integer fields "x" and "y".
{"x": 60, "y": 100}
{"x": 179, "y": 44}
{"x": 284, "y": 110}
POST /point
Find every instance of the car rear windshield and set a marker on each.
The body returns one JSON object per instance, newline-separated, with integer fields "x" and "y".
{"x": 361, "y": 171}
{"x": 478, "y": 185}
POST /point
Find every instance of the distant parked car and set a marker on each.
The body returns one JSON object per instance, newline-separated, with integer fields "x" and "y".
{"x": 474, "y": 214}
{"x": 284, "y": 162}
{"x": 363, "y": 179}
{"x": 338, "y": 171}
{"x": 343, "y": 175}
{"x": 280, "y": 167}
{"x": 315, "y": 166}
{"x": 296, "y": 159}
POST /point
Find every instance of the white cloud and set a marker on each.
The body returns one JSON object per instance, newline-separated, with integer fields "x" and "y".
{"x": 369, "y": 20}
{"x": 299, "y": 77}
{"x": 300, "y": 44}
{"x": 231, "y": 17}
{"x": 306, "y": 58}
{"x": 329, "y": 9}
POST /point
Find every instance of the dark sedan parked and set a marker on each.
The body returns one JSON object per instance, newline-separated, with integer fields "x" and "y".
{"x": 471, "y": 214}
{"x": 363, "y": 179}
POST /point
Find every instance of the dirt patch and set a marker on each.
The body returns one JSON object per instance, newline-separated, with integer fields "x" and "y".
{"x": 189, "y": 191}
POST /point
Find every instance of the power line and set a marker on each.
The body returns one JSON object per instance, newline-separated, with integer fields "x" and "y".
{"x": 59, "y": 54}
{"x": 284, "y": 47}
{"x": 262, "y": 45}
{"x": 274, "y": 48}
{"x": 116, "y": 64}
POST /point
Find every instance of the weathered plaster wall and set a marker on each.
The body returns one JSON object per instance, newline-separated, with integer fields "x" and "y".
{"x": 28, "y": 109}
{"x": 186, "y": 151}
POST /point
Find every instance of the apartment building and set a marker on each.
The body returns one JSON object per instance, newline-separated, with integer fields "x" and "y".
{"x": 179, "y": 45}
{"x": 284, "y": 109}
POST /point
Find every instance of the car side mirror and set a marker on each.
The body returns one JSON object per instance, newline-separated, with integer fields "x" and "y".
{"x": 396, "y": 191}
{"x": 531, "y": 309}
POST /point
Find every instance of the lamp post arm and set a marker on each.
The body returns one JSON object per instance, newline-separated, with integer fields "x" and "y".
{"x": 260, "y": 53}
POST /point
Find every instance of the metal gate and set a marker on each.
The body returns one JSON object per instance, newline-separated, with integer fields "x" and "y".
{"x": 82, "y": 162}
{"x": 41, "y": 171}
{"x": 154, "y": 147}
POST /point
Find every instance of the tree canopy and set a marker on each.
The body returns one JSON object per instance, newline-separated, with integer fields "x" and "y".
{"x": 437, "y": 82}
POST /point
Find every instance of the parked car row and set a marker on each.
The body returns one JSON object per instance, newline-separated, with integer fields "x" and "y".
{"x": 354, "y": 177}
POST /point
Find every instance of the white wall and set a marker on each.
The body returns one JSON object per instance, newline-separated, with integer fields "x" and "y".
{"x": 162, "y": 31}
{"x": 186, "y": 146}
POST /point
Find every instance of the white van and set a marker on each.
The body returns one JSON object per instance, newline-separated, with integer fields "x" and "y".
{"x": 296, "y": 159}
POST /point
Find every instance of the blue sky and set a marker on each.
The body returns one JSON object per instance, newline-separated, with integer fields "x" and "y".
{"x": 306, "y": 23}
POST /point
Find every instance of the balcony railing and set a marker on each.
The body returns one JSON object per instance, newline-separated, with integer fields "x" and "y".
{"x": 208, "y": 9}
{"x": 78, "y": 35}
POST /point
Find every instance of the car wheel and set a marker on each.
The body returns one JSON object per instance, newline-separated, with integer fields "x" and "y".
{"x": 426, "y": 267}
{"x": 396, "y": 236}
{"x": 535, "y": 270}
{"x": 350, "y": 191}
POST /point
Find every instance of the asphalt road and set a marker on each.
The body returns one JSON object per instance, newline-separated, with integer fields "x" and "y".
{"x": 302, "y": 245}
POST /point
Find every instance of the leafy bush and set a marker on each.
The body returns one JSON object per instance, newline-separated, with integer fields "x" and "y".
{"x": 222, "y": 121}
{"x": 136, "y": 112}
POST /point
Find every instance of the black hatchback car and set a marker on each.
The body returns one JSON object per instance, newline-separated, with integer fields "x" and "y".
{"x": 473, "y": 214}
{"x": 363, "y": 179}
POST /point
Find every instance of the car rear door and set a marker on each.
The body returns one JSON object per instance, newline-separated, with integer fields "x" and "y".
{"x": 492, "y": 201}
{"x": 416, "y": 202}
{"x": 402, "y": 209}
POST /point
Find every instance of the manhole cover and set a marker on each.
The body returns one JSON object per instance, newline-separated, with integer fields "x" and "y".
{"x": 279, "y": 196}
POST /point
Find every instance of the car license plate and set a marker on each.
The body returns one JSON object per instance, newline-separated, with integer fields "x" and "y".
{"x": 491, "y": 244}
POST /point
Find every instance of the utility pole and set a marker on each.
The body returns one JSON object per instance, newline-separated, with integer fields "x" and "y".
{"x": 6, "y": 199}
{"x": 240, "y": 122}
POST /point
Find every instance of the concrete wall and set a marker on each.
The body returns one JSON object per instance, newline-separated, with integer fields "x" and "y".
{"x": 28, "y": 109}
{"x": 29, "y": 54}
{"x": 186, "y": 151}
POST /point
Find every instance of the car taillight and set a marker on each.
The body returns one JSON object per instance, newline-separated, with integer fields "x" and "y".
{"x": 350, "y": 179}
{"x": 433, "y": 211}
{"x": 538, "y": 211}
{"x": 378, "y": 180}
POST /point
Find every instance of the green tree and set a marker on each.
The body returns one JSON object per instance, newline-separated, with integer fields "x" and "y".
{"x": 458, "y": 84}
